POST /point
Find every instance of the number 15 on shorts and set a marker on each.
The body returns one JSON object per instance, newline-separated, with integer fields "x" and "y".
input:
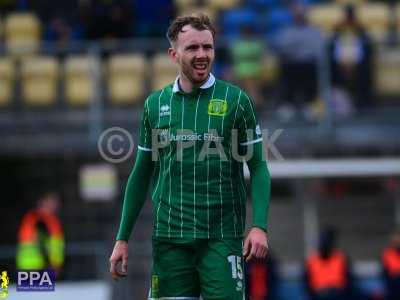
{"x": 237, "y": 270}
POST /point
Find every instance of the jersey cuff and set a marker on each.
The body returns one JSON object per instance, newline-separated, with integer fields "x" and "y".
{"x": 144, "y": 148}
{"x": 251, "y": 142}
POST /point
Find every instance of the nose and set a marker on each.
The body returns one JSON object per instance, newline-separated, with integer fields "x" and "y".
{"x": 201, "y": 53}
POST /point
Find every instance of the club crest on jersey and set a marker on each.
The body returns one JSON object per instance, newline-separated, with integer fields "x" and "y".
{"x": 165, "y": 110}
{"x": 217, "y": 107}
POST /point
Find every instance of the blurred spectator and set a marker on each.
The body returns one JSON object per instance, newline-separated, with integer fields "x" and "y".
{"x": 328, "y": 271}
{"x": 152, "y": 17}
{"x": 299, "y": 48}
{"x": 351, "y": 60}
{"x": 261, "y": 278}
{"x": 40, "y": 236}
{"x": 247, "y": 58}
{"x": 107, "y": 19}
{"x": 391, "y": 267}
{"x": 58, "y": 30}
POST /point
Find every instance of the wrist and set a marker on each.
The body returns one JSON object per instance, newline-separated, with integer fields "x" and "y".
{"x": 260, "y": 228}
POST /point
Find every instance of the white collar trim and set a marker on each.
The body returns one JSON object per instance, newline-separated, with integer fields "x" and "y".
{"x": 209, "y": 83}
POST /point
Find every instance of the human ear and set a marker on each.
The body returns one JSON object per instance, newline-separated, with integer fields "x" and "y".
{"x": 173, "y": 54}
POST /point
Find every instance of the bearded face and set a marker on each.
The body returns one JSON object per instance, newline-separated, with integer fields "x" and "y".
{"x": 194, "y": 53}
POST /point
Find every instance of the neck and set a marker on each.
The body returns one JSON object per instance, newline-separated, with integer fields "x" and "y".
{"x": 186, "y": 85}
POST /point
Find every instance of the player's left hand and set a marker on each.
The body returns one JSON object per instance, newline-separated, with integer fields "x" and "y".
{"x": 255, "y": 244}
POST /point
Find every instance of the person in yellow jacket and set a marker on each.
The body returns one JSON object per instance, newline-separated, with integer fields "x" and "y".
{"x": 40, "y": 237}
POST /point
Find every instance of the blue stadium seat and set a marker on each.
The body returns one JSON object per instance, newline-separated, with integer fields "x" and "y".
{"x": 278, "y": 19}
{"x": 263, "y": 4}
{"x": 233, "y": 20}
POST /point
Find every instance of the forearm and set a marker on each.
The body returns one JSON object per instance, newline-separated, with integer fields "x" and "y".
{"x": 135, "y": 193}
{"x": 260, "y": 184}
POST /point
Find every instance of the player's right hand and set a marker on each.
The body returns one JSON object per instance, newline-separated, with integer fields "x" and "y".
{"x": 119, "y": 260}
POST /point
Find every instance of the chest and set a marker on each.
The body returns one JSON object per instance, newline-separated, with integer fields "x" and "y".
{"x": 197, "y": 114}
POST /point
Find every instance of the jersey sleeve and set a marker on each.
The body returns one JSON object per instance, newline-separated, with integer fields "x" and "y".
{"x": 145, "y": 142}
{"x": 249, "y": 129}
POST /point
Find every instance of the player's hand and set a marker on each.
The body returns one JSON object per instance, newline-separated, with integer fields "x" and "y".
{"x": 119, "y": 256}
{"x": 255, "y": 244}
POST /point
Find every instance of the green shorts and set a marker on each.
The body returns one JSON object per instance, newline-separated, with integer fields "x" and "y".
{"x": 186, "y": 269}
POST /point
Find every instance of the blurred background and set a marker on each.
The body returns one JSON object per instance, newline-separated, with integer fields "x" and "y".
{"x": 325, "y": 72}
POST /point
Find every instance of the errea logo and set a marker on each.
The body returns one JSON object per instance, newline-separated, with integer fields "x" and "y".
{"x": 164, "y": 110}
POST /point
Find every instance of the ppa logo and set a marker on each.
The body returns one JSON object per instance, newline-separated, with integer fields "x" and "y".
{"x": 35, "y": 280}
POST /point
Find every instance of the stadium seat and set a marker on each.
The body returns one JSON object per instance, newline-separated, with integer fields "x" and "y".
{"x": 387, "y": 76}
{"x": 264, "y": 3}
{"x": 278, "y": 19}
{"x": 183, "y": 4}
{"x": 376, "y": 19}
{"x": 126, "y": 78}
{"x": 326, "y": 16}
{"x": 7, "y": 75}
{"x": 163, "y": 71}
{"x": 209, "y": 11}
{"x": 39, "y": 80}
{"x": 233, "y": 20}
{"x": 22, "y": 33}
{"x": 354, "y": 2}
{"x": 78, "y": 80}
{"x": 222, "y": 4}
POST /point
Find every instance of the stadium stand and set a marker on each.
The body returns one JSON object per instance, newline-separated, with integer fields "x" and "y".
{"x": 78, "y": 80}
{"x": 120, "y": 73}
{"x": 387, "y": 68}
{"x": 375, "y": 17}
{"x": 326, "y": 16}
{"x": 22, "y": 33}
{"x": 40, "y": 80}
{"x": 7, "y": 75}
{"x": 221, "y": 4}
{"x": 191, "y": 9}
{"x": 126, "y": 78}
{"x": 163, "y": 71}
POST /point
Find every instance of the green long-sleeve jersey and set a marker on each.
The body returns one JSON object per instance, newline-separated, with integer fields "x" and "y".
{"x": 195, "y": 140}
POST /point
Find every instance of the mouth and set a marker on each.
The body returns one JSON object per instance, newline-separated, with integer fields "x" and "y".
{"x": 200, "y": 66}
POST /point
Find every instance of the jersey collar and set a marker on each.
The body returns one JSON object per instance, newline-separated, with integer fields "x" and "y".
{"x": 209, "y": 83}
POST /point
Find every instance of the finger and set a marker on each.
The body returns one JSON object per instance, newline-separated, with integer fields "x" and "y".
{"x": 258, "y": 252}
{"x": 113, "y": 269}
{"x": 246, "y": 247}
{"x": 251, "y": 254}
{"x": 124, "y": 264}
{"x": 263, "y": 253}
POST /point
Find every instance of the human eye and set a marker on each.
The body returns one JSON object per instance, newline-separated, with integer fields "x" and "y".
{"x": 192, "y": 47}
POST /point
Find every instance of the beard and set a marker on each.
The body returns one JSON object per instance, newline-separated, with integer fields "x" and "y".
{"x": 196, "y": 76}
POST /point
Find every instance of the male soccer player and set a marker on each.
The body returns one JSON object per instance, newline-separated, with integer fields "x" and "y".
{"x": 191, "y": 127}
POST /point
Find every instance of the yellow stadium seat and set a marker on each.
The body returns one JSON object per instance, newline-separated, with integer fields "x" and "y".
{"x": 79, "y": 85}
{"x": 182, "y": 4}
{"x": 211, "y": 12}
{"x": 126, "y": 78}
{"x": 22, "y": 33}
{"x": 387, "y": 72}
{"x": 354, "y": 2}
{"x": 39, "y": 80}
{"x": 222, "y": 4}
{"x": 376, "y": 19}
{"x": 163, "y": 71}
{"x": 326, "y": 16}
{"x": 7, "y": 75}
